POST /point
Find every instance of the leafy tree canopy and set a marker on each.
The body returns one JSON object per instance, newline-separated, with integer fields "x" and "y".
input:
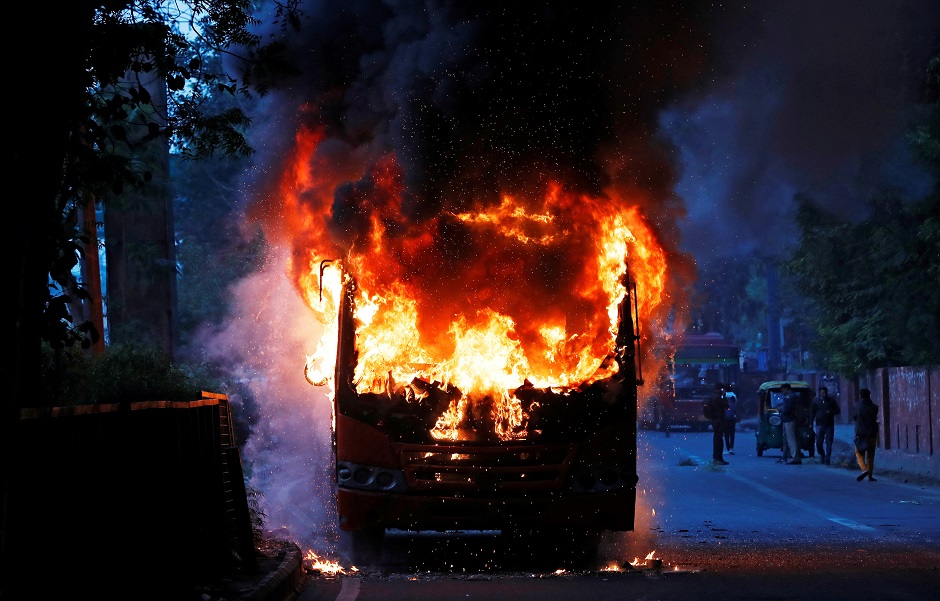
{"x": 876, "y": 283}
{"x": 730, "y": 297}
{"x": 123, "y": 73}
{"x": 119, "y": 57}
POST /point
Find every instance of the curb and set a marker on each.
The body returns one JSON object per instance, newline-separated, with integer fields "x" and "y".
{"x": 284, "y": 583}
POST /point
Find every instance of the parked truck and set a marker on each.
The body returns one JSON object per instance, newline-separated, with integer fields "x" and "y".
{"x": 569, "y": 477}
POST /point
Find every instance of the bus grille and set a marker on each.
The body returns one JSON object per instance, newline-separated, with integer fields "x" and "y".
{"x": 475, "y": 470}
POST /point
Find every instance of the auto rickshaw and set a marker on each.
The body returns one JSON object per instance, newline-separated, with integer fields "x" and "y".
{"x": 770, "y": 428}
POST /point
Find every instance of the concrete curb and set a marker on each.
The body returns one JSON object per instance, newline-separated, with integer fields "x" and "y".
{"x": 284, "y": 583}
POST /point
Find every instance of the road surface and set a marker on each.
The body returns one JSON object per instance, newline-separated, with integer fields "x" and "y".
{"x": 754, "y": 529}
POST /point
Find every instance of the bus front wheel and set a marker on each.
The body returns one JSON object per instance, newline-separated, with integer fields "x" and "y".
{"x": 366, "y": 547}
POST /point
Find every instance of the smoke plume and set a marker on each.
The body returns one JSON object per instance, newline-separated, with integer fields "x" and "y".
{"x": 709, "y": 118}
{"x": 804, "y": 97}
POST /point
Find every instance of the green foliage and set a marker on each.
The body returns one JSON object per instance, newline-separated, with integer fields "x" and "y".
{"x": 925, "y": 137}
{"x": 121, "y": 374}
{"x": 212, "y": 248}
{"x": 731, "y": 299}
{"x": 256, "y": 514}
{"x": 721, "y": 300}
{"x": 138, "y": 72}
{"x": 876, "y": 282}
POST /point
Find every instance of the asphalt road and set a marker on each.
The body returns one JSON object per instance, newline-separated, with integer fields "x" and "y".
{"x": 754, "y": 529}
{"x": 757, "y": 513}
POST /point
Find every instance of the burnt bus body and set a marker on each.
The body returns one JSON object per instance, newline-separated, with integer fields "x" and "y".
{"x": 572, "y": 476}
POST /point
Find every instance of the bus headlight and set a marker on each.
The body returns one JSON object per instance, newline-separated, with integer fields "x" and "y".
{"x": 368, "y": 477}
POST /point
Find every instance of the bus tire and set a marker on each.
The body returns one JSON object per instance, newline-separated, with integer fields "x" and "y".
{"x": 366, "y": 548}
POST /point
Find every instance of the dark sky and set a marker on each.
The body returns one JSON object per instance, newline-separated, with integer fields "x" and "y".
{"x": 716, "y": 115}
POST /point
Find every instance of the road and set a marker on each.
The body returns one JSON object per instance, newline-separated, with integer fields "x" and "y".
{"x": 754, "y": 529}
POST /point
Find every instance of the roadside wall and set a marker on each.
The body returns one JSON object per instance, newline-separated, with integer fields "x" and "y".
{"x": 909, "y": 414}
{"x": 909, "y": 401}
{"x": 112, "y": 497}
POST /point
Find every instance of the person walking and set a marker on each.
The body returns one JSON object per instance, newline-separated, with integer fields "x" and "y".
{"x": 824, "y": 412}
{"x": 731, "y": 419}
{"x": 784, "y": 446}
{"x": 865, "y": 416}
{"x": 788, "y": 413}
{"x": 714, "y": 409}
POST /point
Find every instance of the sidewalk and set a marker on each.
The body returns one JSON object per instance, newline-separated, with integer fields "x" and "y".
{"x": 896, "y": 463}
{"x": 845, "y": 435}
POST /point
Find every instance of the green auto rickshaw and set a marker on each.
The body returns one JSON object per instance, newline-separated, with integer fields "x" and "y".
{"x": 770, "y": 427}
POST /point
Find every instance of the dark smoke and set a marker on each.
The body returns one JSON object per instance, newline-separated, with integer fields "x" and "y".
{"x": 711, "y": 116}
{"x": 481, "y": 98}
{"x": 806, "y": 97}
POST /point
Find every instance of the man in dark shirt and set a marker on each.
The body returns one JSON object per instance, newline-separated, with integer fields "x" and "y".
{"x": 865, "y": 415}
{"x": 714, "y": 409}
{"x": 824, "y": 412}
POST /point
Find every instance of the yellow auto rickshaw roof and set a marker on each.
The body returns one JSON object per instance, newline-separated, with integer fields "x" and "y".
{"x": 795, "y": 384}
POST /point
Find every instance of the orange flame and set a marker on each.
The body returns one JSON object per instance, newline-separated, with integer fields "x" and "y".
{"x": 314, "y": 563}
{"x": 480, "y": 298}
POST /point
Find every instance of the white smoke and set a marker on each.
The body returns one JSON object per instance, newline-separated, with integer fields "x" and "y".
{"x": 288, "y": 455}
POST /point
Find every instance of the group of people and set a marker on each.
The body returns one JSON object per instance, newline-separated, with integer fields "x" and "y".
{"x": 822, "y": 416}
{"x": 721, "y": 409}
{"x": 823, "y": 412}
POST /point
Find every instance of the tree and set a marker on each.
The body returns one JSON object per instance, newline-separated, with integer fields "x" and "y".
{"x": 211, "y": 250}
{"x": 876, "y": 282}
{"x": 81, "y": 143}
{"x": 69, "y": 136}
{"x": 731, "y": 297}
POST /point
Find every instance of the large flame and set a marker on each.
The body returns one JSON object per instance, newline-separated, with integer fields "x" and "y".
{"x": 481, "y": 298}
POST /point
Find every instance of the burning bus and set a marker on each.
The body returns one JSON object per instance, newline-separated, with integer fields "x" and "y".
{"x": 490, "y": 384}
{"x": 551, "y": 465}
{"x": 477, "y": 218}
